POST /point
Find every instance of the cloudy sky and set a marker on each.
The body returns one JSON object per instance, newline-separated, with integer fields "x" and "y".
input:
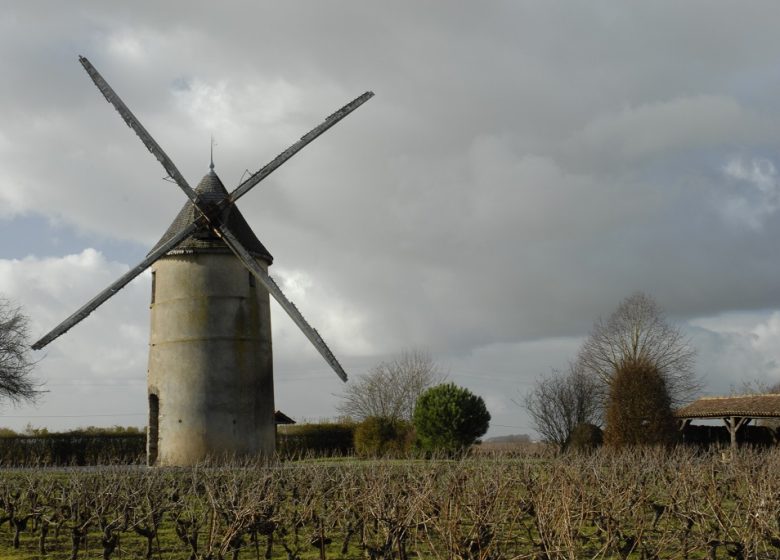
{"x": 523, "y": 167}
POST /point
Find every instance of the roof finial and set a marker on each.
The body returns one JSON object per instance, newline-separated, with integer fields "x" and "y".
{"x": 211, "y": 165}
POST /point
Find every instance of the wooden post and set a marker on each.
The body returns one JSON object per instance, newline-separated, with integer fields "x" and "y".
{"x": 681, "y": 425}
{"x": 734, "y": 423}
{"x": 733, "y": 432}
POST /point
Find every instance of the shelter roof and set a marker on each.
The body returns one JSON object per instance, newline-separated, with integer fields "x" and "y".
{"x": 281, "y": 418}
{"x": 211, "y": 191}
{"x": 751, "y": 406}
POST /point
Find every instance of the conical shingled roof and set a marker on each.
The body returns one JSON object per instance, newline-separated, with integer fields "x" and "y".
{"x": 211, "y": 190}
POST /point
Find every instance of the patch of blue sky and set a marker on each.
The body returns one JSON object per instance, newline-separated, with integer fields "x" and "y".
{"x": 35, "y": 235}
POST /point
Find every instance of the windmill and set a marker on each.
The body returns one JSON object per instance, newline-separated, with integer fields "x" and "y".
{"x": 210, "y": 376}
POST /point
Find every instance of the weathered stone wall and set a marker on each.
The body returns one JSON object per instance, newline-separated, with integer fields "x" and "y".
{"x": 210, "y": 360}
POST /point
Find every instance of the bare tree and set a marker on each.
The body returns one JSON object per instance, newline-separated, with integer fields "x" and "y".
{"x": 16, "y": 365}
{"x": 638, "y": 332}
{"x": 390, "y": 389}
{"x": 560, "y": 402}
{"x": 755, "y": 387}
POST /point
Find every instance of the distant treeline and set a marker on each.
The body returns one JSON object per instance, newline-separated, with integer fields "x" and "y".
{"x": 514, "y": 438}
{"x": 87, "y": 446}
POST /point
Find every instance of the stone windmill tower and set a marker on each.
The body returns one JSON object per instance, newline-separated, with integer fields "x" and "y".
{"x": 210, "y": 377}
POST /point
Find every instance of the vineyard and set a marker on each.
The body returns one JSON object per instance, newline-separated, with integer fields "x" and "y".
{"x": 639, "y": 504}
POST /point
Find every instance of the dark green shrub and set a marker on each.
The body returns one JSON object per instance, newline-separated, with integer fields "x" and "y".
{"x": 377, "y": 436}
{"x": 449, "y": 418}
{"x": 585, "y": 437}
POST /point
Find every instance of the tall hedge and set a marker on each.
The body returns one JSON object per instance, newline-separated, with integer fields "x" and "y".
{"x": 322, "y": 439}
{"x": 639, "y": 407}
{"x": 73, "y": 448}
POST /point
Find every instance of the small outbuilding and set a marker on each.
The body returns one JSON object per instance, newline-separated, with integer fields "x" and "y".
{"x": 280, "y": 418}
{"x": 735, "y": 412}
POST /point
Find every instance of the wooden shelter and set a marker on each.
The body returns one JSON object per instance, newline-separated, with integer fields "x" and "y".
{"x": 735, "y": 412}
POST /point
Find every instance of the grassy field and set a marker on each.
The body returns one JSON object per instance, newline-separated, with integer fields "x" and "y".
{"x": 635, "y": 504}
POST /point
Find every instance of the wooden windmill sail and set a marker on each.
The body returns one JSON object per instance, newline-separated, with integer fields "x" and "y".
{"x": 210, "y": 384}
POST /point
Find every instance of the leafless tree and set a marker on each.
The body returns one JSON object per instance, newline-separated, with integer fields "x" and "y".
{"x": 16, "y": 365}
{"x": 755, "y": 387}
{"x": 638, "y": 332}
{"x": 561, "y": 401}
{"x": 390, "y": 389}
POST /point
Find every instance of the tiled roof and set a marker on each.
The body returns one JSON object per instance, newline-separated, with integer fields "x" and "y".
{"x": 753, "y": 406}
{"x": 211, "y": 190}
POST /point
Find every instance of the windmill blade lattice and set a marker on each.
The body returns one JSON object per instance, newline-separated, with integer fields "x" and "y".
{"x": 139, "y": 129}
{"x": 274, "y": 164}
{"x": 82, "y": 313}
{"x": 211, "y": 217}
{"x": 289, "y": 307}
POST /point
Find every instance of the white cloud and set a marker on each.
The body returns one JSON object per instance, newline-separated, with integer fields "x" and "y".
{"x": 107, "y": 349}
{"x": 737, "y": 349}
{"x": 758, "y": 193}
{"x": 760, "y": 172}
{"x": 112, "y": 341}
{"x": 339, "y": 322}
{"x": 127, "y": 45}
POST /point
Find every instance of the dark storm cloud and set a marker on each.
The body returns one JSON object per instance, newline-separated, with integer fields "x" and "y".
{"x": 522, "y": 168}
